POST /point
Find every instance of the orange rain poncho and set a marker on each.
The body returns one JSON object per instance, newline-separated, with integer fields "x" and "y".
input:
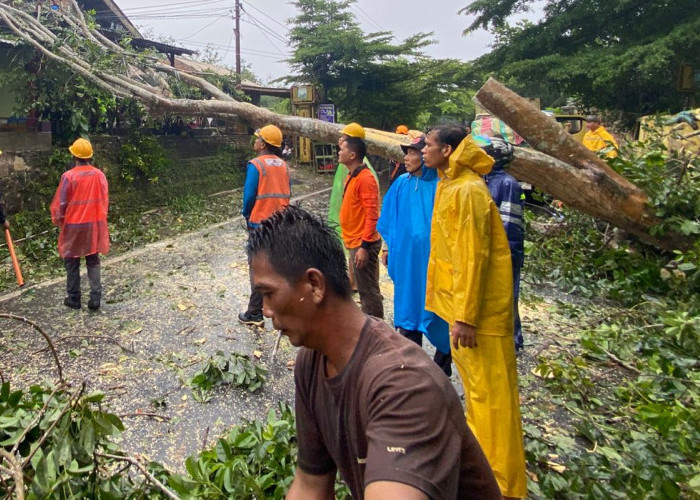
{"x": 469, "y": 280}
{"x": 79, "y": 209}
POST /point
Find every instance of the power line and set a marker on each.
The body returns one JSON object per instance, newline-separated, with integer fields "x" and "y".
{"x": 168, "y": 7}
{"x": 269, "y": 39}
{"x": 263, "y": 26}
{"x": 203, "y": 28}
{"x": 269, "y": 17}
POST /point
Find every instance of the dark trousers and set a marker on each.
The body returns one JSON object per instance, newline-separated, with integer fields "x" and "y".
{"x": 367, "y": 279}
{"x": 256, "y": 300}
{"x": 73, "y": 277}
{"x": 444, "y": 361}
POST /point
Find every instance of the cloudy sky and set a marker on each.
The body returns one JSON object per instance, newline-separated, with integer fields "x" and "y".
{"x": 194, "y": 23}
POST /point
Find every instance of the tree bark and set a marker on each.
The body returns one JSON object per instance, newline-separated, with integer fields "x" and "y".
{"x": 570, "y": 172}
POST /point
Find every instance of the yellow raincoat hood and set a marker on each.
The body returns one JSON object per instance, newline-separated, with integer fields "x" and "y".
{"x": 469, "y": 271}
{"x": 468, "y": 155}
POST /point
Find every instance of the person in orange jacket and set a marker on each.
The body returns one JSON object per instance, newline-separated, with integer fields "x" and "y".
{"x": 359, "y": 212}
{"x": 79, "y": 208}
{"x": 267, "y": 189}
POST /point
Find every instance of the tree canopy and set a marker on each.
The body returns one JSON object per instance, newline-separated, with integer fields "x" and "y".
{"x": 370, "y": 77}
{"x": 614, "y": 54}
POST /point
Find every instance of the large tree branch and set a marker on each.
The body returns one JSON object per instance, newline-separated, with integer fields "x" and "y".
{"x": 572, "y": 173}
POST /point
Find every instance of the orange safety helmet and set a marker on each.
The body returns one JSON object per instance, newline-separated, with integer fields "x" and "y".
{"x": 271, "y": 135}
{"x": 354, "y": 130}
{"x": 81, "y": 148}
{"x": 402, "y": 129}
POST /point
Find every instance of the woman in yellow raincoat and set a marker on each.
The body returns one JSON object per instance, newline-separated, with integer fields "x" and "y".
{"x": 470, "y": 286}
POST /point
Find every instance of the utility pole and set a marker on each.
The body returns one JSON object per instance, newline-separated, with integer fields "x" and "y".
{"x": 237, "y": 32}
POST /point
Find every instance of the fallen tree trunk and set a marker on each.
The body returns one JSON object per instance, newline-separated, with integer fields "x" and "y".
{"x": 570, "y": 172}
{"x": 567, "y": 171}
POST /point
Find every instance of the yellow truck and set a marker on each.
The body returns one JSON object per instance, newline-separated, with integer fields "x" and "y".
{"x": 680, "y": 132}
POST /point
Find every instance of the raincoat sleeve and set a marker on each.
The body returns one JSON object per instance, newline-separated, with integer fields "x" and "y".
{"x": 250, "y": 190}
{"x": 60, "y": 201}
{"x": 470, "y": 257}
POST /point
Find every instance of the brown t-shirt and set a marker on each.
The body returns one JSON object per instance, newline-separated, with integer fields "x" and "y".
{"x": 389, "y": 415}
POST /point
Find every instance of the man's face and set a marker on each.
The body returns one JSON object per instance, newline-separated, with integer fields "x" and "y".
{"x": 258, "y": 145}
{"x": 341, "y": 139}
{"x": 435, "y": 154}
{"x": 286, "y": 305}
{"x": 592, "y": 126}
{"x": 413, "y": 160}
{"x": 344, "y": 154}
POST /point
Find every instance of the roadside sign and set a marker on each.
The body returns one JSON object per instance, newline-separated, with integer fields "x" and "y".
{"x": 326, "y": 113}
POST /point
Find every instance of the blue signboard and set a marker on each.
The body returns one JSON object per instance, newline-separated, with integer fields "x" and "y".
{"x": 326, "y": 113}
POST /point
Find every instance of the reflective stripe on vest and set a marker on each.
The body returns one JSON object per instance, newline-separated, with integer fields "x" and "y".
{"x": 273, "y": 187}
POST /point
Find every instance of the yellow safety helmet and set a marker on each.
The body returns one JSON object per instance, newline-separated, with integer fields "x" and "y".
{"x": 354, "y": 130}
{"x": 81, "y": 148}
{"x": 271, "y": 135}
{"x": 402, "y": 129}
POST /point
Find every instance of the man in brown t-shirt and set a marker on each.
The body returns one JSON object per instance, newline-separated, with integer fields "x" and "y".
{"x": 370, "y": 403}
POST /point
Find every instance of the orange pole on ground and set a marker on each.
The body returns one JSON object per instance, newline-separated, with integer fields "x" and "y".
{"x": 13, "y": 256}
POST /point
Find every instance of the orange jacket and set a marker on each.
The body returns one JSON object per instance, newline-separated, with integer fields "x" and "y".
{"x": 273, "y": 187}
{"x": 79, "y": 209}
{"x": 360, "y": 209}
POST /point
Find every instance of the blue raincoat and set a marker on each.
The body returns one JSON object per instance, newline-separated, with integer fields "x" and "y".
{"x": 404, "y": 223}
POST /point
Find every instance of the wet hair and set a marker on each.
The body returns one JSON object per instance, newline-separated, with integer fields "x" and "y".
{"x": 357, "y": 146}
{"x": 452, "y": 135}
{"x": 295, "y": 240}
{"x": 594, "y": 118}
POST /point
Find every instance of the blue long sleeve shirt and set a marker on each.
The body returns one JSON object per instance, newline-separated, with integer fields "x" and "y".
{"x": 250, "y": 191}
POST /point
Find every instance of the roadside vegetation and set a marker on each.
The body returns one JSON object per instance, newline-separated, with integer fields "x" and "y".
{"x": 610, "y": 391}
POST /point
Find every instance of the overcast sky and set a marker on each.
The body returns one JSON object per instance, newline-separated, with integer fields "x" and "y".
{"x": 193, "y": 24}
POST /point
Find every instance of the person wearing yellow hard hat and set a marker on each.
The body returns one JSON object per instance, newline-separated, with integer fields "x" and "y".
{"x": 359, "y": 212}
{"x": 267, "y": 189}
{"x": 341, "y": 174}
{"x": 79, "y": 208}
{"x": 3, "y": 220}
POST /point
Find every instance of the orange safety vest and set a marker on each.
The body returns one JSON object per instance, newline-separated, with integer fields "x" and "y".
{"x": 273, "y": 187}
{"x": 79, "y": 209}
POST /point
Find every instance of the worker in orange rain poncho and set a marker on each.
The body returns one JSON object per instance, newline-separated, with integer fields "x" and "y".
{"x": 79, "y": 209}
{"x": 470, "y": 286}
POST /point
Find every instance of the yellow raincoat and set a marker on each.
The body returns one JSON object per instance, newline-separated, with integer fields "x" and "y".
{"x": 598, "y": 139}
{"x": 470, "y": 280}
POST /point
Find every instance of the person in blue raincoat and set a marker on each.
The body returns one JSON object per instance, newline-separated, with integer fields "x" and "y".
{"x": 509, "y": 198}
{"x": 404, "y": 224}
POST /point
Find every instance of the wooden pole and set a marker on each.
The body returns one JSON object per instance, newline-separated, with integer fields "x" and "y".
{"x": 13, "y": 256}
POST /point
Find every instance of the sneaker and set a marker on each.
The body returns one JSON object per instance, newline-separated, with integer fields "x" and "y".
{"x": 73, "y": 304}
{"x": 248, "y": 318}
{"x": 93, "y": 305}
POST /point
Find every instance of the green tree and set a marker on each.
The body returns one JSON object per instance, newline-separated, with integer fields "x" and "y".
{"x": 614, "y": 54}
{"x": 368, "y": 76}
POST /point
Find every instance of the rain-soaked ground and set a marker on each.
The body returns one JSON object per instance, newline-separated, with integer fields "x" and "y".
{"x": 166, "y": 308}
